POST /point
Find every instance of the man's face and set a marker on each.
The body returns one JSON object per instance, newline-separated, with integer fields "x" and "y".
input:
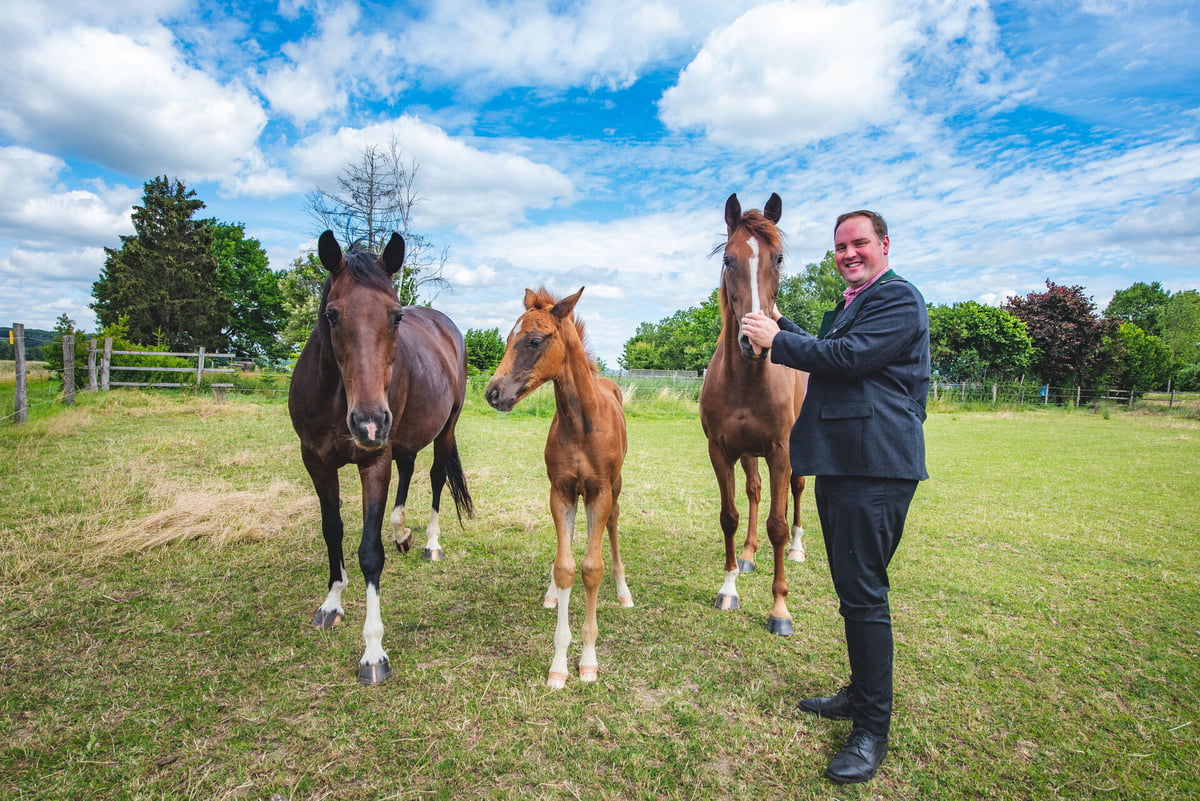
{"x": 859, "y": 254}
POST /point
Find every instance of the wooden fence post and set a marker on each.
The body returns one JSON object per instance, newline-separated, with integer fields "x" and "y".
{"x": 200, "y": 368}
{"x": 68, "y": 371}
{"x": 19, "y": 401}
{"x": 105, "y": 364}
{"x": 92, "y": 364}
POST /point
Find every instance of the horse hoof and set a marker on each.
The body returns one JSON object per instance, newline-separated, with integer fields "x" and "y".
{"x": 433, "y": 554}
{"x": 796, "y": 556}
{"x": 625, "y": 601}
{"x": 371, "y": 675}
{"x": 406, "y": 544}
{"x": 727, "y": 603}
{"x": 327, "y": 620}
{"x": 781, "y": 626}
{"x": 589, "y": 673}
{"x": 550, "y": 602}
{"x": 745, "y": 566}
{"x": 556, "y": 681}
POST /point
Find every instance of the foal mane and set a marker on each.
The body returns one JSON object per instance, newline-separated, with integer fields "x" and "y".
{"x": 544, "y": 301}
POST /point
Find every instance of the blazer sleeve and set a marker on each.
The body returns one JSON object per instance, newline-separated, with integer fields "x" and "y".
{"x": 883, "y": 329}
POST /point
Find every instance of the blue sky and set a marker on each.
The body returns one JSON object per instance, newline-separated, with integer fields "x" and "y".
{"x": 567, "y": 144}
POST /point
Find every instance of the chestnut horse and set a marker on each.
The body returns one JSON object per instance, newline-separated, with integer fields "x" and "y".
{"x": 584, "y": 452}
{"x": 376, "y": 382}
{"x": 748, "y": 405}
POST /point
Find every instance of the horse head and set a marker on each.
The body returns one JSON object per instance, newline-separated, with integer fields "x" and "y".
{"x": 752, "y": 264}
{"x": 361, "y": 316}
{"x": 536, "y": 348}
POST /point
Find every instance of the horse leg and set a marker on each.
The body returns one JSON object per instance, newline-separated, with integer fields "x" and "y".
{"x": 443, "y": 448}
{"x": 753, "y": 496}
{"x": 325, "y": 481}
{"x": 562, "y": 579}
{"x": 796, "y": 551}
{"x": 624, "y": 596}
{"x": 550, "y": 601}
{"x": 401, "y": 534}
{"x": 727, "y": 597}
{"x": 373, "y": 667}
{"x": 780, "y": 620}
{"x": 598, "y": 514}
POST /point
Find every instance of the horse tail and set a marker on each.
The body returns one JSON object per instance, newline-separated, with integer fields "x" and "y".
{"x": 458, "y": 484}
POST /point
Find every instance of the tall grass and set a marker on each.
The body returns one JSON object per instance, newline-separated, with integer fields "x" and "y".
{"x": 1045, "y": 597}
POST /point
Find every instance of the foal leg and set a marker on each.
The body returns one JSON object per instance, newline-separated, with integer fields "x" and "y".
{"x": 796, "y": 551}
{"x": 727, "y": 597}
{"x": 624, "y": 596}
{"x": 598, "y": 513}
{"x": 561, "y": 580}
{"x": 401, "y": 534}
{"x": 325, "y": 481}
{"x": 753, "y": 496}
{"x": 550, "y": 601}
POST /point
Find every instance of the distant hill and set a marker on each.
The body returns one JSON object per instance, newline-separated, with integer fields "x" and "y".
{"x": 35, "y": 338}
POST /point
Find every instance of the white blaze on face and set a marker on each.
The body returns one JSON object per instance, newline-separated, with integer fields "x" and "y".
{"x": 754, "y": 302}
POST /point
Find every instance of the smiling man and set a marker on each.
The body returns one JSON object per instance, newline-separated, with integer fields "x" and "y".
{"x": 860, "y": 432}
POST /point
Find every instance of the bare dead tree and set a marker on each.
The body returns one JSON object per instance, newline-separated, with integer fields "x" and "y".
{"x": 376, "y": 196}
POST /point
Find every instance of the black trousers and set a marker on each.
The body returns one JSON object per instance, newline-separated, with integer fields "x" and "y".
{"x": 862, "y": 520}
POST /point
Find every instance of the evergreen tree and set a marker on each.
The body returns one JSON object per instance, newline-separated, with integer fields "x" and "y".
{"x": 164, "y": 279}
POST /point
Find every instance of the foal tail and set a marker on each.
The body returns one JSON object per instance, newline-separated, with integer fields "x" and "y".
{"x": 458, "y": 484}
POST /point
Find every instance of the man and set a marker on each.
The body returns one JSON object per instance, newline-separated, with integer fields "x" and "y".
{"x": 860, "y": 432}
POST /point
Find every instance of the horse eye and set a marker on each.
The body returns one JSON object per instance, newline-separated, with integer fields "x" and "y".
{"x": 536, "y": 342}
{"x": 397, "y": 317}
{"x": 332, "y": 317}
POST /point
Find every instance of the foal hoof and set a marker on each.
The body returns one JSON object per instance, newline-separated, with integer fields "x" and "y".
{"x": 781, "y": 626}
{"x": 371, "y": 675}
{"x": 433, "y": 554}
{"x": 556, "y": 681}
{"x": 745, "y": 566}
{"x": 796, "y": 555}
{"x": 327, "y": 620}
{"x": 727, "y": 603}
{"x": 589, "y": 673}
{"x": 406, "y": 544}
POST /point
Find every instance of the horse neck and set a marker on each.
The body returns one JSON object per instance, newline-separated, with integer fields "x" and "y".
{"x": 576, "y": 394}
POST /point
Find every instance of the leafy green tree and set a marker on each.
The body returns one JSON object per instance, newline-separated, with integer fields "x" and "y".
{"x": 1141, "y": 304}
{"x": 804, "y": 298}
{"x": 164, "y": 278}
{"x": 52, "y": 353}
{"x": 485, "y": 349}
{"x": 300, "y": 286}
{"x": 972, "y": 342}
{"x": 256, "y": 299}
{"x": 1181, "y": 326}
{"x": 684, "y": 341}
{"x": 1067, "y": 334}
{"x": 1139, "y": 361}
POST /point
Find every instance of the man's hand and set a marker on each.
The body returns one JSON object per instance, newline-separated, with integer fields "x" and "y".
{"x": 759, "y": 329}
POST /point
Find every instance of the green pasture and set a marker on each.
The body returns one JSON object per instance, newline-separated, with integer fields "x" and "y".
{"x": 161, "y": 559}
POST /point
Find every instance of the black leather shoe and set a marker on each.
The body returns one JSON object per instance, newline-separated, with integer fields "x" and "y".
{"x": 859, "y": 758}
{"x": 836, "y": 707}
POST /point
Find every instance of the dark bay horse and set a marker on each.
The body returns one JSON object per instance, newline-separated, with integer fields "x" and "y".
{"x": 376, "y": 383}
{"x": 748, "y": 405}
{"x": 584, "y": 453}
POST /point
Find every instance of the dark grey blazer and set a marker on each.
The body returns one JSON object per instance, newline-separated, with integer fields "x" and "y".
{"x": 865, "y": 408}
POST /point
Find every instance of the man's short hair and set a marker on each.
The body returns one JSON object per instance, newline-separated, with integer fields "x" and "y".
{"x": 877, "y": 221}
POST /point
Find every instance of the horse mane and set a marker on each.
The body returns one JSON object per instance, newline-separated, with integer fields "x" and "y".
{"x": 544, "y": 301}
{"x": 757, "y": 226}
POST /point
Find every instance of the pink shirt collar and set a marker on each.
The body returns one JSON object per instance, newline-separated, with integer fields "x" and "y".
{"x": 851, "y": 294}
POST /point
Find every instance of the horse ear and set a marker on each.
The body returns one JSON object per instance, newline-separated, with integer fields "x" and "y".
{"x": 330, "y": 252}
{"x": 567, "y": 305}
{"x": 733, "y": 212}
{"x": 530, "y": 299}
{"x": 774, "y": 208}
{"x": 393, "y": 254}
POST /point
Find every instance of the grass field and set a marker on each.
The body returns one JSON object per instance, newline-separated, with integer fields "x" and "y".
{"x": 161, "y": 559}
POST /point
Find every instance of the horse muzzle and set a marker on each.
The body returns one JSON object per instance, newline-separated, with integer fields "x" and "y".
{"x": 502, "y": 395}
{"x": 370, "y": 429}
{"x": 749, "y": 351}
